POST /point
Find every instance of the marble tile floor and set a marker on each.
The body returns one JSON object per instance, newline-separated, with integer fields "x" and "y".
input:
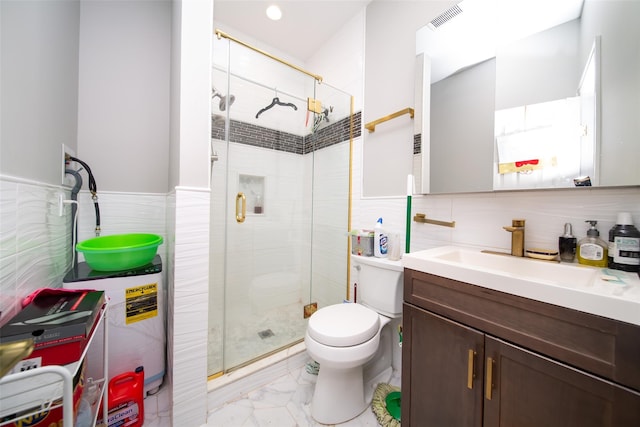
{"x": 156, "y": 409}
{"x": 284, "y": 402}
{"x": 243, "y": 340}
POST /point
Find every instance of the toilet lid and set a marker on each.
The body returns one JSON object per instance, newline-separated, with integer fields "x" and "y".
{"x": 343, "y": 325}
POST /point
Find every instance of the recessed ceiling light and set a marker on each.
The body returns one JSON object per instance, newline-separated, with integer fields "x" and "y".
{"x": 274, "y": 12}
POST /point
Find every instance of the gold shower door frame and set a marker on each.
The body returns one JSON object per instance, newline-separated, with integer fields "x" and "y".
{"x": 222, "y": 323}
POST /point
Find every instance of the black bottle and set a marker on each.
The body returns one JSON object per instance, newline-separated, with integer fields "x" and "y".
{"x": 624, "y": 244}
{"x": 567, "y": 245}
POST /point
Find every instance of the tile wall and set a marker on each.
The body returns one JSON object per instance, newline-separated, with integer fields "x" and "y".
{"x": 35, "y": 241}
{"x": 480, "y": 217}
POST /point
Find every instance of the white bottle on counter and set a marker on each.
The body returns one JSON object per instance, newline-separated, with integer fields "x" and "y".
{"x": 380, "y": 241}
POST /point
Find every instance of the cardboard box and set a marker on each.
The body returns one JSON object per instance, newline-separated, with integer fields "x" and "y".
{"x": 59, "y": 323}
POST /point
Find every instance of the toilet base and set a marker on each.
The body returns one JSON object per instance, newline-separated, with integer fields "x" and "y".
{"x": 339, "y": 395}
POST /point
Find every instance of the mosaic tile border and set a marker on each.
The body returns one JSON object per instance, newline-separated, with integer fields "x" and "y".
{"x": 258, "y": 136}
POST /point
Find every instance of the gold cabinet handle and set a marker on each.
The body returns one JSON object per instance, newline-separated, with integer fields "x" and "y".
{"x": 241, "y": 211}
{"x": 471, "y": 372}
{"x": 489, "y": 378}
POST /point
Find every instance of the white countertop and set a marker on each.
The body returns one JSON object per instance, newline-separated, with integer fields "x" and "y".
{"x": 603, "y": 292}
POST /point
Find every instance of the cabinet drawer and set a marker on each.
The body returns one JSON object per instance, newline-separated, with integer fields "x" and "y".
{"x": 605, "y": 347}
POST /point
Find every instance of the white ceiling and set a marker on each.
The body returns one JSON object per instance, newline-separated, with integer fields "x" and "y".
{"x": 305, "y": 25}
{"x": 482, "y": 26}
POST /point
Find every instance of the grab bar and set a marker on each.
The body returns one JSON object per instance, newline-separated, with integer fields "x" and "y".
{"x": 422, "y": 218}
{"x": 371, "y": 126}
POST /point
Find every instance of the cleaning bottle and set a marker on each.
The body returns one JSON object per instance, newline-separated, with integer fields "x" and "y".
{"x": 126, "y": 399}
{"x": 380, "y": 240}
{"x": 624, "y": 244}
{"x": 592, "y": 250}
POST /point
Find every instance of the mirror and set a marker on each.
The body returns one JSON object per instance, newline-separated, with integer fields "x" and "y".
{"x": 585, "y": 66}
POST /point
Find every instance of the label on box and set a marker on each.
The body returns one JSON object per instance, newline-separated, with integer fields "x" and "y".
{"x": 124, "y": 415}
{"x": 141, "y": 303}
{"x": 27, "y": 365}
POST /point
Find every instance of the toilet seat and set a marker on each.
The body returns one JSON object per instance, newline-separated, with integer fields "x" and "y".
{"x": 343, "y": 325}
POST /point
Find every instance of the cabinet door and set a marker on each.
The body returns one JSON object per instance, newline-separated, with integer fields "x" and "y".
{"x": 439, "y": 360}
{"x": 532, "y": 391}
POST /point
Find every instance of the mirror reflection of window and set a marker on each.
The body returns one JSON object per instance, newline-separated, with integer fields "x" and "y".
{"x": 537, "y": 145}
{"x": 549, "y": 144}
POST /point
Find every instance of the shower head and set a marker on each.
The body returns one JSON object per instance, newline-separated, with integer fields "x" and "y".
{"x": 223, "y": 99}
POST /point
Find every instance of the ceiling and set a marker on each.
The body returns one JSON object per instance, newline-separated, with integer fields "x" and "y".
{"x": 304, "y": 27}
{"x": 473, "y": 30}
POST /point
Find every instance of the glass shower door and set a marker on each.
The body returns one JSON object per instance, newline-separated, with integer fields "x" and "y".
{"x": 268, "y": 219}
{"x": 280, "y": 190}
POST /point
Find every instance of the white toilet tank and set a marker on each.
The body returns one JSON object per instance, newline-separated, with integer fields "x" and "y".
{"x": 379, "y": 284}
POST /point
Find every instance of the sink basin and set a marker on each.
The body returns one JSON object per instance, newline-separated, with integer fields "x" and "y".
{"x": 609, "y": 293}
{"x": 516, "y": 267}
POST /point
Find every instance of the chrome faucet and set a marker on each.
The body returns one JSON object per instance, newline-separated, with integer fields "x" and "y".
{"x": 517, "y": 236}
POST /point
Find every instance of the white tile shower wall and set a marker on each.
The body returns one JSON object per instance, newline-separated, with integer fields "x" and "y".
{"x": 275, "y": 240}
{"x": 330, "y": 227}
{"x": 189, "y": 292}
{"x": 283, "y": 81}
{"x": 34, "y": 240}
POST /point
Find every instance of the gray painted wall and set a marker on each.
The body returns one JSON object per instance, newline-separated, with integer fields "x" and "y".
{"x": 39, "y": 110}
{"x": 124, "y": 88}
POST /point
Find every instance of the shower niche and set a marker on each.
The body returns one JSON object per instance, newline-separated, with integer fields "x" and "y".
{"x": 253, "y": 188}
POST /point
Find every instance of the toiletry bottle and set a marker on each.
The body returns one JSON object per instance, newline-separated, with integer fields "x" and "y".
{"x": 567, "y": 244}
{"x": 380, "y": 240}
{"x": 592, "y": 250}
{"x": 624, "y": 244}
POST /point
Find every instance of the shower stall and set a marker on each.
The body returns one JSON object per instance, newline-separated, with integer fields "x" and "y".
{"x": 280, "y": 184}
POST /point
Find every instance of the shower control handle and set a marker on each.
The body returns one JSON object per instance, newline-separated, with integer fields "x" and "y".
{"x": 241, "y": 208}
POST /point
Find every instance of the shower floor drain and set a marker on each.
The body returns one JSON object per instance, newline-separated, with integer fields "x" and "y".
{"x": 266, "y": 333}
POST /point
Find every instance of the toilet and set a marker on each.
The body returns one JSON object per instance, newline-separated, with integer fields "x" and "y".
{"x": 354, "y": 343}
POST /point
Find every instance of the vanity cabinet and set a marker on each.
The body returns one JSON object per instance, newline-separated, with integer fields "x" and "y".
{"x": 478, "y": 357}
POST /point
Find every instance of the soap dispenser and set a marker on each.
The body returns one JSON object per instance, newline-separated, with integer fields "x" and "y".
{"x": 592, "y": 250}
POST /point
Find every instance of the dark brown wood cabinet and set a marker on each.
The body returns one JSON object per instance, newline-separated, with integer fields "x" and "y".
{"x": 470, "y": 359}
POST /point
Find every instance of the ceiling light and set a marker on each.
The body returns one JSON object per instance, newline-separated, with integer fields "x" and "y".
{"x": 274, "y": 12}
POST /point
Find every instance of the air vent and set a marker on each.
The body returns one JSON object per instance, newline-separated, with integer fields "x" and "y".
{"x": 445, "y": 17}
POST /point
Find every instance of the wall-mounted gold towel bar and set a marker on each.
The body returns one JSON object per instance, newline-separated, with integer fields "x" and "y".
{"x": 420, "y": 217}
{"x": 371, "y": 126}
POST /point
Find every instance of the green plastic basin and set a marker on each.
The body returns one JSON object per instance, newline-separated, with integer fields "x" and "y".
{"x": 119, "y": 251}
